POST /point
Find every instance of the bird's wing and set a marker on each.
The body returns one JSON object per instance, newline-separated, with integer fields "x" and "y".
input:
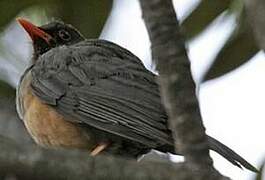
{"x": 101, "y": 84}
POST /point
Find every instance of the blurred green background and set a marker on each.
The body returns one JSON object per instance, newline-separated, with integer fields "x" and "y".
{"x": 89, "y": 17}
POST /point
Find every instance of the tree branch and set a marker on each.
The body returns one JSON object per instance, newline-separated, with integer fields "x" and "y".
{"x": 176, "y": 83}
{"x": 32, "y": 162}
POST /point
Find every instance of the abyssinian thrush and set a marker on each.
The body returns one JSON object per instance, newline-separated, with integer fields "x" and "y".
{"x": 94, "y": 95}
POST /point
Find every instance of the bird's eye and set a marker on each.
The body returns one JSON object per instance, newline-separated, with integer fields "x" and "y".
{"x": 64, "y": 35}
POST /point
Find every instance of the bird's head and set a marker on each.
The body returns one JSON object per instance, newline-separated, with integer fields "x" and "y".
{"x": 50, "y": 35}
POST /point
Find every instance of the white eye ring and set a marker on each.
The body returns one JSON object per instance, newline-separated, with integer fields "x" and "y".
{"x": 64, "y": 35}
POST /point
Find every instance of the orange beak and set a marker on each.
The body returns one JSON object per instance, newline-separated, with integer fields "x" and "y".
{"x": 34, "y": 31}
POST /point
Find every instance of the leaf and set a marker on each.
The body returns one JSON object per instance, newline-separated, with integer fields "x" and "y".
{"x": 203, "y": 15}
{"x": 9, "y": 10}
{"x": 6, "y": 90}
{"x": 240, "y": 47}
{"x": 261, "y": 171}
{"x": 256, "y": 13}
{"x": 87, "y": 16}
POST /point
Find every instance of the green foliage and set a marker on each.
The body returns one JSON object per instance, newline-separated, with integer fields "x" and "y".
{"x": 261, "y": 171}
{"x": 239, "y": 48}
{"x": 203, "y": 15}
{"x": 88, "y": 16}
{"x": 10, "y": 10}
{"x": 6, "y": 90}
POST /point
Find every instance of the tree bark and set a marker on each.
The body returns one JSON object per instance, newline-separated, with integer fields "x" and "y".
{"x": 35, "y": 163}
{"x": 177, "y": 86}
{"x": 176, "y": 83}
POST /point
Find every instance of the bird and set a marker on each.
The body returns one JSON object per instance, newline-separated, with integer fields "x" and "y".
{"x": 94, "y": 95}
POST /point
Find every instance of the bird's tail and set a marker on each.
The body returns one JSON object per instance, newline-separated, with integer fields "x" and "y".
{"x": 229, "y": 154}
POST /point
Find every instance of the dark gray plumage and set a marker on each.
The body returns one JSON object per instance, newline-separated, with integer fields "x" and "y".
{"x": 99, "y": 84}
{"x": 105, "y": 89}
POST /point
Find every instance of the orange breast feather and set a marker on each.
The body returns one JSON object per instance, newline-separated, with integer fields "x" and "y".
{"x": 47, "y": 127}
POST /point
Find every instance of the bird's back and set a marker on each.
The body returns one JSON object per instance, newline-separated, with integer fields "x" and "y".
{"x": 106, "y": 89}
{"x": 94, "y": 93}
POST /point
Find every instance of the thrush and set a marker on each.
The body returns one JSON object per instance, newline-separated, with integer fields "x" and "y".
{"x": 94, "y": 95}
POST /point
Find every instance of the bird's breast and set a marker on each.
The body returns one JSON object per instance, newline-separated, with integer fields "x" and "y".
{"x": 46, "y": 126}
